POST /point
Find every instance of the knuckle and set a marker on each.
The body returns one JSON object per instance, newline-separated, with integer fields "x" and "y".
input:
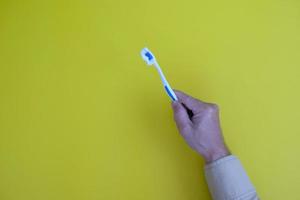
{"x": 212, "y": 108}
{"x": 215, "y": 106}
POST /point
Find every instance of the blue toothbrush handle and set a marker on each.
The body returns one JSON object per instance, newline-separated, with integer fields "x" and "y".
{"x": 170, "y": 93}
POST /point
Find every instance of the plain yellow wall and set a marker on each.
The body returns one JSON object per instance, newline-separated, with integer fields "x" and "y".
{"x": 82, "y": 117}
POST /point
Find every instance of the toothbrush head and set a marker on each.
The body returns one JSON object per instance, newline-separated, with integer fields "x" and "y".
{"x": 148, "y": 56}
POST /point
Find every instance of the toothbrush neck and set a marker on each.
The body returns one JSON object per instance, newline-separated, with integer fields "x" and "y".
{"x": 161, "y": 74}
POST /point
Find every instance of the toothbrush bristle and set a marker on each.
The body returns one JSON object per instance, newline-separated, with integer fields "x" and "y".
{"x": 147, "y": 56}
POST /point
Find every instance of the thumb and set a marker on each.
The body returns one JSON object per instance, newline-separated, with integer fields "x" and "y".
{"x": 181, "y": 118}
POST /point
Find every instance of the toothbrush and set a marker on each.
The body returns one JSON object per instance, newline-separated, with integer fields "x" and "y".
{"x": 149, "y": 57}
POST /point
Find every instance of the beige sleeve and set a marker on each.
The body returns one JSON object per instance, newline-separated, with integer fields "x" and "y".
{"x": 227, "y": 180}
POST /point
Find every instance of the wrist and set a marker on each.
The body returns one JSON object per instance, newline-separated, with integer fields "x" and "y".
{"x": 216, "y": 154}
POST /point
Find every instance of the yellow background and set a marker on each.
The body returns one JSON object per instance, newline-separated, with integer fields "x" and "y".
{"x": 82, "y": 117}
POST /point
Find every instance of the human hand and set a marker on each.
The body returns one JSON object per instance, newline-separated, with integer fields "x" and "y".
{"x": 198, "y": 122}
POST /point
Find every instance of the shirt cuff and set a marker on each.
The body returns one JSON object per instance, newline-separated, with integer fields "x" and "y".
{"x": 227, "y": 179}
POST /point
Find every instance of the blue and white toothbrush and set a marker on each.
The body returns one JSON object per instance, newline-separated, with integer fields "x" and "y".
{"x": 150, "y": 60}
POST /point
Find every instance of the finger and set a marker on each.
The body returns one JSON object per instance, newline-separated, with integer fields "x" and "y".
{"x": 189, "y": 101}
{"x": 181, "y": 118}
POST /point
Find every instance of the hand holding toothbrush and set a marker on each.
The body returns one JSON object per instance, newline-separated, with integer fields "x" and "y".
{"x": 198, "y": 123}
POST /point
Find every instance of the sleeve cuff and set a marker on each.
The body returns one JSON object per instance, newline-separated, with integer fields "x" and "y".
{"x": 227, "y": 179}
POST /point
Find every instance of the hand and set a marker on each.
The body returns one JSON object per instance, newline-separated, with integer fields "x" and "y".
{"x": 198, "y": 122}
